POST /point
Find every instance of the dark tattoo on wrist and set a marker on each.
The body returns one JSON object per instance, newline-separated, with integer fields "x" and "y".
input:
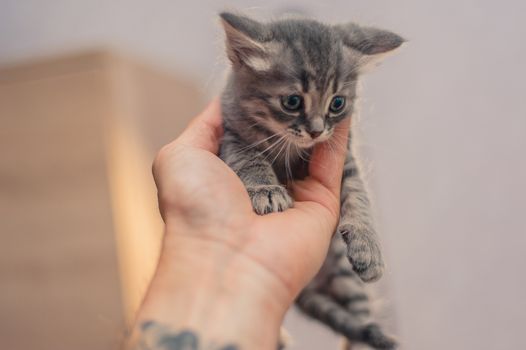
{"x": 155, "y": 336}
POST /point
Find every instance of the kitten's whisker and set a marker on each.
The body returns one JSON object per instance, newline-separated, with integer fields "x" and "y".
{"x": 273, "y": 145}
{"x": 277, "y": 145}
{"x": 331, "y": 149}
{"x": 338, "y": 145}
{"x": 288, "y": 168}
{"x": 279, "y": 152}
{"x": 259, "y": 142}
{"x": 300, "y": 153}
{"x": 335, "y": 142}
{"x": 340, "y": 140}
{"x": 317, "y": 162}
{"x": 253, "y": 145}
{"x": 287, "y": 163}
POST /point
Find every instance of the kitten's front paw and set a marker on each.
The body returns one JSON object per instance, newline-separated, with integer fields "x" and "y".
{"x": 269, "y": 198}
{"x": 363, "y": 252}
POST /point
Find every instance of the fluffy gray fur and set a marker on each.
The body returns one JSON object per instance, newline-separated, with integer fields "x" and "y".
{"x": 269, "y": 145}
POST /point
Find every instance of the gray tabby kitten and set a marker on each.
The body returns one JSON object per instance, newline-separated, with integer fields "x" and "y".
{"x": 291, "y": 82}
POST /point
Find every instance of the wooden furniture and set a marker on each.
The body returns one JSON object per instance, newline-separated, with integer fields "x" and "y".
{"x": 79, "y": 228}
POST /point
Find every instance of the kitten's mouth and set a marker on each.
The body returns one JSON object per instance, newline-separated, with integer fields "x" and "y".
{"x": 304, "y": 143}
{"x": 308, "y": 142}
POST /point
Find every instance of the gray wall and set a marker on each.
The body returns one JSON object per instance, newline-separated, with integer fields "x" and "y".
{"x": 443, "y": 131}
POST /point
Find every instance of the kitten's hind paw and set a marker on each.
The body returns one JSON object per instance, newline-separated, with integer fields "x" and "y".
{"x": 374, "y": 336}
{"x": 269, "y": 198}
{"x": 363, "y": 251}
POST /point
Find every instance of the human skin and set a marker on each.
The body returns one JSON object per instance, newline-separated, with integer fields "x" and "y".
{"x": 225, "y": 273}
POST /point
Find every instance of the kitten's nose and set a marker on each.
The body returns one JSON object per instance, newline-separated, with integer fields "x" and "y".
{"x": 315, "y": 134}
{"x": 315, "y": 127}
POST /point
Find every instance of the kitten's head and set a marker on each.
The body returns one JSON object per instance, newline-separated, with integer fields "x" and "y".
{"x": 298, "y": 77}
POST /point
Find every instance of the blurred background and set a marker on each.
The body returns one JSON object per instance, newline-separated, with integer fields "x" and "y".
{"x": 89, "y": 90}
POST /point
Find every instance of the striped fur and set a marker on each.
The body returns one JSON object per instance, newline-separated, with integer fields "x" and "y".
{"x": 338, "y": 298}
{"x": 356, "y": 225}
{"x": 268, "y": 146}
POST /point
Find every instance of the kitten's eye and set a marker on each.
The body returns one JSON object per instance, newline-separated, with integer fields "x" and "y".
{"x": 292, "y": 102}
{"x": 337, "y": 104}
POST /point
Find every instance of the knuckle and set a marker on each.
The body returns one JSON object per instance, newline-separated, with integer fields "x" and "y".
{"x": 160, "y": 157}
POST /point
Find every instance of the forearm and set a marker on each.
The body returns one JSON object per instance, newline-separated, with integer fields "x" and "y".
{"x": 218, "y": 295}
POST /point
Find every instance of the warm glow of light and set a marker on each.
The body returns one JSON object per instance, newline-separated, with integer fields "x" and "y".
{"x": 137, "y": 222}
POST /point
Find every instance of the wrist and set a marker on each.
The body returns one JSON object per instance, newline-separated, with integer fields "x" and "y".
{"x": 213, "y": 288}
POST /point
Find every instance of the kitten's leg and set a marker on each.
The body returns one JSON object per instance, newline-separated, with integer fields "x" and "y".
{"x": 329, "y": 312}
{"x": 356, "y": 225}
{"x": 337, "y": 297}
{"x": 257, "y": 174}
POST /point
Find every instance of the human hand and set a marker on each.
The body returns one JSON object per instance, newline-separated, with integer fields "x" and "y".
{"x": 201, "y": 198}
{"x": 216, "y": 245}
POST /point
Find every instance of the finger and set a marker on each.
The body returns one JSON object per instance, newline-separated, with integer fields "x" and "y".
{"x": 205, "y": 130}
{"x": 322, "y": 186}
{"x": 328, "y": 158}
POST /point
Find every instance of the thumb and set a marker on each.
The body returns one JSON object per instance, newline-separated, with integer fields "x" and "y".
{"x": 323, "y": 185}
{"x": 328, "y": 158}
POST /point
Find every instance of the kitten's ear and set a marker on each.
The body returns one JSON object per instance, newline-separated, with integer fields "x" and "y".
{"x": 245, "y": 41}
{"x": 370, "y": 44}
